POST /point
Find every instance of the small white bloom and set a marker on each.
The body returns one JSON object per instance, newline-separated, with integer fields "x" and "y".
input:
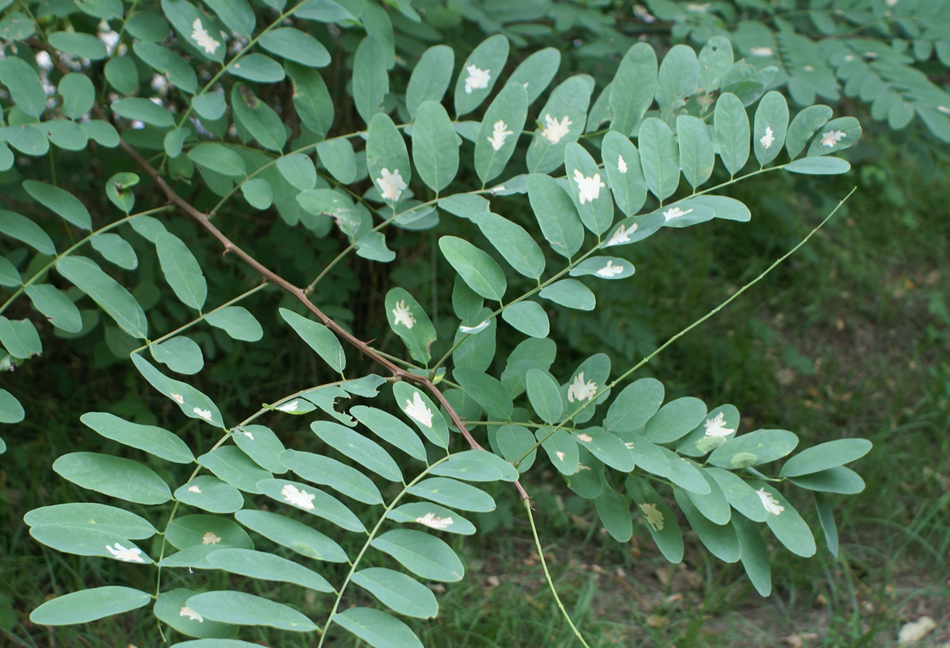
{"x": 717, "y": 427}
{"x": 589, "y": 188}
{"x": 768, "y": 138}
{"x": 298, "y": 497}
{"x": 586, "y": 438}
{"x": 560, "y": 455}
{"x": 770, "y": 503}
{"x": 194, "y": 489}
{"x": 432, "y": 521}
{"x": 210, "y": 538}
{"x": 580, "y": 390}
{"x": 402, "y": 315}
{"x": 191, "y": 614}
{"x": 653, "y": 515}
{"x": 621, "y": 164}
{"x": 201, "y": 36}
{"x": 622, "y": 235}
{"x": 178, "y": 399}
{"x": 477, "y": 79}
{"x": 610, "y": 270}
{"x": 556, "y": 130}
{"x": 133, "y": 554}
{"x": 674, "y": 212}
{"x": 832, "y": 137}
{"x": 287, "y": 407}
{"x": 205, "y": 414}
{"x": 417, "y": 409}
{"x": 629, "y": 445}
{"x": 499, "y": 135}
{"x": 475, "y": 329}
{"x": 761, "y": 51}
{"x": 391, "y": 185}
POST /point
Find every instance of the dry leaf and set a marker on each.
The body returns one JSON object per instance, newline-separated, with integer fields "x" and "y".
{"x": 916, "y": 630}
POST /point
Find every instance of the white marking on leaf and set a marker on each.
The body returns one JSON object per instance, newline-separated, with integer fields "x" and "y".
{"x": 716, "y": 427}
{"x": 477, "y": 79}
{"x": 247, "y": 434}
{"x": 610, "y": 270}
{"x": 205, "y": 414}
{"x": 560, "y": 455}
{"x": 674, "y": 212}
{"x": 621, "y": 164}
{"x": 432, "y": 521}
{"x": 133, "y": 554}
{"x": 629, "y": 445}
{"x": 178, "y": 399}
{"x": 475, "y": 329}
{"x": 761, "y": 51}
{"x": 417, "y": 409}
{"x": 194, "y": 489}
{"x": 210, "y": 538}
{"x": 298, "y": 497}
{"x": 769, "y": 502}
{"x": 588, "y": 188}
{"x": 191, "y": 614}
{"x": 556, "y": 130}
{"x": 832, "y": 137}
{"x": 499, "y": 135}
{"x": 622, "y": 235}
{"x": 586, "y": 438}
{"x": 391, "y": 185}
{"x": 201, "y": 36}
{"x": 653, "y": 515}
{"x": 581, "y": 390}
{"x": 288, "y": 407}
{"x": 768, "y": 138}
{"x": 402, "y": 315}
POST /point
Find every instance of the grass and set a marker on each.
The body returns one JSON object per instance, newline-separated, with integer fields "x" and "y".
{"x": 850, "y": 338}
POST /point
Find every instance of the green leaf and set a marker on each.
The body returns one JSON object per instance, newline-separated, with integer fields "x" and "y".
{"x": 65, "y": 134}
{"x": 100, "y": 517}
{"x": 56, "y": 306}
{"x": 193, "y": 403}
{"x": 675, "y": 420}
{"x": 422, "y": 554}
{"x": 685, "y": 474}
{"x": 720, "y": 539}
{"x": 560, "y": 123}
{"x": 180, "y": 354}
{"x": 805, "y": 124}
{"x": 561, "y": 449}
{"x": 175, "y": 140}
{"x": 478, "y": 269}
{"x": 536, "y": 72}
{"x": 15, "y": 26}
{"x": 261, "y": 445}
{"x": 119, "y": 192}
{"x": 210, "y": 494}
{"x": 753, "y": 449}
{"x": 570, "y": 293}
{"x": 311, "y": 99}
{"x": 754, "y": 555}
{"x": 79, "y": 94}
{"x": 105, "y": 291}
{"x": 423, "y": 413}
{"x": 236, "y": 468}
{"x": 6, "y": 155}
{"x": 312, "y": 501}
{"x": 339, "y": 159}
{"x": 102, "y": 132}
{"x": 258, "y": 193}
{"x": 79, "y": 44}
{"x": 168, "y": 610}
{"x": 544, "y": 395}
{"x": 218, "y": 158}
{"x": 237, "y": 15}
{"x": 715, "y": 59}
{"x": 614, "y": 512}
{"x": 399, "y": 592}
{"x": 239, "y": 608}
{"x": 410, "y": 322}
{"x": 298, "y": 170}
{"x": 833, "y": 480}
{"x": 528, "y": 317}
{"x": 732, "y": 132}
{"x": 370, "y": 79}
{"x": 210, "y": 105}
{"x": 479, "y": 74}
{"x": 476, "y": 466}
{"x": 115, "y": 249}
{"x": 825, "y": 456}
{"x": 147, "y": 26}
{"x": 602, "y": 267}
{"x": 113, "y": 476}
{"x": 596, "y": 208}
{"x": 739, "y": 494}
{"x": 434, "y": 146}
{"x": 501, "y": 127}
{"x": 719, "y": 426}
{"x": 24, "y": 85}
{"x": 836, "y": 135}
{"x": 237, "y": 322}
{"x": 770, "y": 127}
{"x": 265, "y": 566}
{"x": 454, "y": 494}
{"x": 555, "y": 212}
{"x": 427, "y": 513}
{"x": 390, "y": 429}
{"x": 387, "y": 159}
{"x": 658, "y": 518}
{"x": 196, "y": 29}
{"x": 678, "y": 79}
{"x": 485, "y": 390}
{"x": 89, "y": 542}
{"x": 330, "y": 472}
{"x": 827, "y": 519}
{"x": 297, "y": 46}
{"x": 363, "y": 451}
{"x": 20, "y": 338}
{"x": 819, "y": 166}
{"x": 318, "y": 337}
{"x": 721, "y": 207}
{"x": 292, "y": 534}
{"x": 89, "y": 605}
{"x": 10, "y": 409}
{"x": 334, "y": 204}
{"x": 9, "y": 276}
{"x": 624, "y": 172}
{"x": 193, "y": 531}
{"x": 633, "y": 88}
{"x": 145, "y": 111}
{"x": 646, "y": 454}
{"x": 377, "y": 628}
{"x": 659, "y": 158}
{"x": 514, "y": 243}
{"x": 256, "y": 119}
{"x": 28, "y": 139}
{"x": 606, "y": 447}
{"x": 23, "y": 229}
{"x": 178, "y": 71}
{"x": 151, "y": 439}
{"x": 713, "y": 505}
{"x": 787, "y": 525}
{"x": 430, "y": 78}
{"x": 697, "y": 154}
{"x": 181, "y": 270}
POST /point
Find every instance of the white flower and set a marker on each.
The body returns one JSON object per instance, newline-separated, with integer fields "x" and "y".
{"x": 770, "y": 503}
{"x": 402, "y": 315}
{"x": 128, "y": 555}
{"x": 211, "y": 538}
{"x": 622, "y": 235}
{"x": 434, "y": 522}
{"x": 391, "y": 185}
{"x": 653, "y": 515}
{"x": 560, "y": 455}
{"x": 581, "y": 390}
{"x": 205, "y": 414}
{"x": 477, "y": 79}
{"x": 621, "y": 164}
{"x": 201, "y": 36}
{"x": 191, "y": 614}
{"x": 717, "y": 427}
{"x": 475, "y": 329}
{"x": 555, "y": 130}
{"x": 417, "y": 409}
{"x": 589, "y": 188}
{"x": 610, "y": 270}
{"x": 298, "y": 497}
{"x": 178, "y": 399}
{"x": 761, "y": 51}
{"x": 287, "y": 407}
{"x": 499, "y": 135}
{"x": 194, "y": 489}
{"x": 586, "y": 438}
{"x": 832, "y": 137}
{"x": 629, "y": 445}
{"x": 674, "y": 212}
{"x": 768, "y": 138}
